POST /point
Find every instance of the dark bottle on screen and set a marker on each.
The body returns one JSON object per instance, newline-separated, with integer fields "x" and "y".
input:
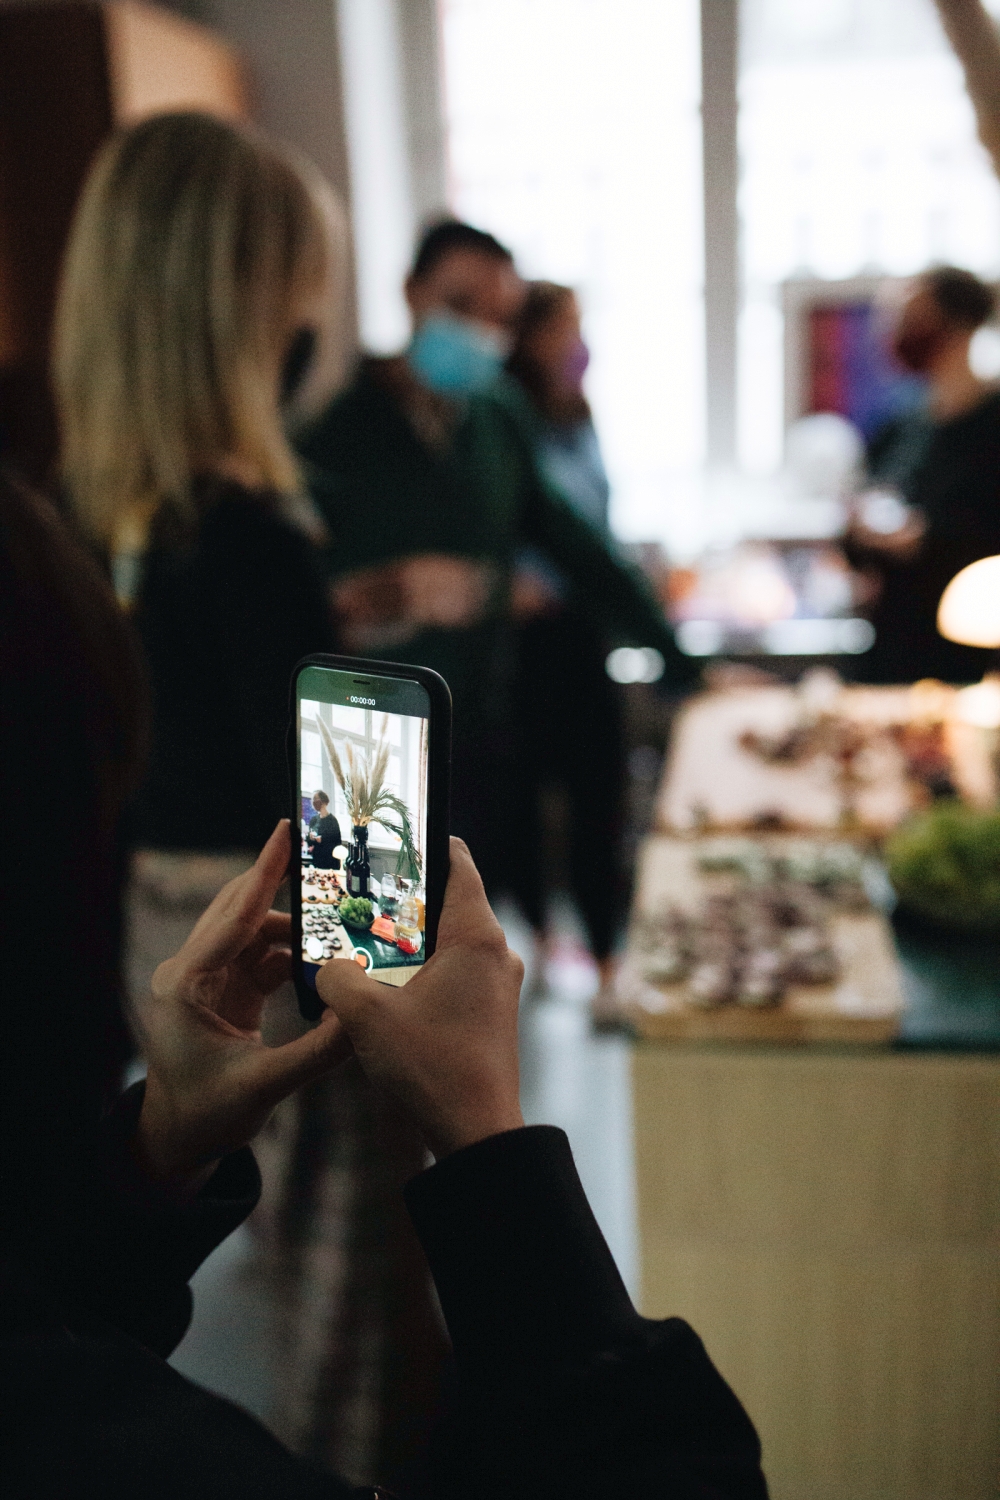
{"x": 357, "y": 866}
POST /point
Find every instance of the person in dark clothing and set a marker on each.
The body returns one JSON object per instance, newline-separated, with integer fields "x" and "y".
{"x": 577, "y": 746}
{"x": 560, "y": 1388}
{"x": 945, "y": 463}
{"x": 73, "y": 714}
{"x": 199, "y": 258}
{"x": 200, "y": 271}
{"x": 111, "y": 1202}
{"x": 324, "y": 833}
{"x": 426, "y": 472}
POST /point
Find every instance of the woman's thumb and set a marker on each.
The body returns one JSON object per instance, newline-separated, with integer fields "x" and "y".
{"x": 345, "y": 989}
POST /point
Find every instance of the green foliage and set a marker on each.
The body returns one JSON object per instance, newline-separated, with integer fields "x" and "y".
{"x": 369, "y": 801}
{"x": 945, "y": 865}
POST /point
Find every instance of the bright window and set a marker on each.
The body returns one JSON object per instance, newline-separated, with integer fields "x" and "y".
{"x": 574, "y": 135}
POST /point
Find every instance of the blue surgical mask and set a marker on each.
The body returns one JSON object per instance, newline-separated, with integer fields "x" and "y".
{"x": 454, "y": 356}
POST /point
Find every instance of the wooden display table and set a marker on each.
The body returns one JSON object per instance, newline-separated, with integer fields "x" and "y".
{"x": 863, "y": 1005}
{"x": 830, "y": 1225}
{"x": 827, "y": 1216}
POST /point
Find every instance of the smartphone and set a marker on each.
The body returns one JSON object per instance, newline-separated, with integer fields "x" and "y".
{"x": 370, "y": 752}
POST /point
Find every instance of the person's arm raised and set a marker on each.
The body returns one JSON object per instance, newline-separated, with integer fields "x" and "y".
{"x": 212, "y": 1081}
{"x": 445, "y": 1044}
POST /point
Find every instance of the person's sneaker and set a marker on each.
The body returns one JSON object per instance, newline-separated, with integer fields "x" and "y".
{"x": 610, "y": 1007}
{"x": 606, "y": 1012}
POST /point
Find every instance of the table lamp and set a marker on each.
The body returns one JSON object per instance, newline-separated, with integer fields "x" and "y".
{"x": 969, "y": 614}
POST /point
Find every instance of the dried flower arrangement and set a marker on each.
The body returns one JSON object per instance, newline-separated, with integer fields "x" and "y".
{"x": 362, "y": 781}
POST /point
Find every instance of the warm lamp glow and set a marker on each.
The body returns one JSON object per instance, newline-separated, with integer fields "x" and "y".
{"x": 980, "y": 704}
{"x": 969, "y": 612}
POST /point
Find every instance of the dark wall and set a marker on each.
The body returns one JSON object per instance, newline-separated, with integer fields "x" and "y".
{"x": 54, "y": 112}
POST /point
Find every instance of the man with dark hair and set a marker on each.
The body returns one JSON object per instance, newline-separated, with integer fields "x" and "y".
{"x": 964, "y": 300}
{"x": 324, "y": 833}
{"x": 944, "y": 461}
{"x": 447, "y": 235}
{"x": 425, "y": 471}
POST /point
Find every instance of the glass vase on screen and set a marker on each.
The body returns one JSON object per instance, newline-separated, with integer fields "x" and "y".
{"x": 407, "y": 928}
{"x": 357, "y": 866}
{"x": 389, "y": 899}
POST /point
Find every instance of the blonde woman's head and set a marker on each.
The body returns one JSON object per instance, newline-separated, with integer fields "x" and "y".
{"x": 197, "y": 252}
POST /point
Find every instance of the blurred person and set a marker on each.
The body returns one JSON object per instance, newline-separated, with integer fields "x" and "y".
{"x": 194, "y": 323}
{"x": 428, "y": 478}
{"x": 576, "y": 745}
{"x": 944, "y": 461}
{"x": 199, "y": 274}
{"x": 324, "y": 833}
{"x": 549, "y": 358}
{"x": 111, "y": 1201}
{"x": 560, "y": 1388}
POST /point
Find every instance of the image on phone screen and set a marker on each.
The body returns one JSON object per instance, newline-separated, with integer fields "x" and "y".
{"x": 363, "y": 785}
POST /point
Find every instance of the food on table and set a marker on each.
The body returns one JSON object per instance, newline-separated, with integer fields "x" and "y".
{"x": 944, "y": 865}
{"x": 745, "y": 946}
{"x": 829, "y": 734}
{"x": 356, "y": 911}
{"x": 383, "y": 928}
{"x": 320, "y": 926}
{"x": 835, "y": 868}
{"x": 662, "y": 946}
{"x": 924, "y": 746}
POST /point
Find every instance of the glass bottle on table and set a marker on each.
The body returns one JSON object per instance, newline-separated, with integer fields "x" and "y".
{"x": 389, "y": 897}
{"x": 357, "y": 866}
{"x": 407, "y": 930}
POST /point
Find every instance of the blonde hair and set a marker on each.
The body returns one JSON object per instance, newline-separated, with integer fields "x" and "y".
{"x": 192, "y": 247}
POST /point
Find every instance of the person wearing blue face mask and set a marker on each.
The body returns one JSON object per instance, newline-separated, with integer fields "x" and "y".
{"x": 454, "y": 356}
{"x": 427, "y": 474}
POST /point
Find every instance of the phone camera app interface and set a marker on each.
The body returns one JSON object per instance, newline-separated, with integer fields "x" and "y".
{"x": 363, "y": 792}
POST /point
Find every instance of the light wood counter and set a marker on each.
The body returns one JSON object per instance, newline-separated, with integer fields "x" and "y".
{"x": 830, "y": 1225}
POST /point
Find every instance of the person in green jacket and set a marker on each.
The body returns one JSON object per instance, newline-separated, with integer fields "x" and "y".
{"x": 425, "y": 472}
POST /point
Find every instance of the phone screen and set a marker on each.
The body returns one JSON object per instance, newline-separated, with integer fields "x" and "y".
{"x": 364, "y": 792}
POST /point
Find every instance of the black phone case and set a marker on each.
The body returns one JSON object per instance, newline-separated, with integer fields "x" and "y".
{"x": 438, "y": 802}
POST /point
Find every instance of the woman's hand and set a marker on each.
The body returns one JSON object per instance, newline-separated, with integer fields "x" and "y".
{"x": 212, "y": 1082}
{"x": 445, "y": 1044}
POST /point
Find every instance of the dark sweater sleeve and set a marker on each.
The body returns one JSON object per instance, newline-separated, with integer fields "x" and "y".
{"x": 125, "y": 1251}
{"x": 562, "y": 1389}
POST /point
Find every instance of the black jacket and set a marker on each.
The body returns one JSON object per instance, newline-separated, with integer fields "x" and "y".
{"x": 328, "y": 829}
{"x": 951, "y": 471}
{"x": 561, "y": 1389}
{"x": 224, "y": 615}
